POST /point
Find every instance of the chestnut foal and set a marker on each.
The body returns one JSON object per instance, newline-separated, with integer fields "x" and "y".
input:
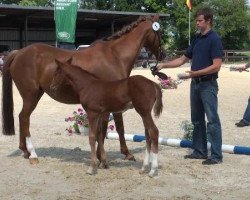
{"x": 98, "y": 97}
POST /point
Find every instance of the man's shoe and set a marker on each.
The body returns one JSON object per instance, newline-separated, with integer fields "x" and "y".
{"x": 242, "y": 123}
{"x": 193, "y": 156}
{"x": 211, "y": 162}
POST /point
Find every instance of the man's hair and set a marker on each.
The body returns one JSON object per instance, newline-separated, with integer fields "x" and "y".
{"x": 206, "y": 12}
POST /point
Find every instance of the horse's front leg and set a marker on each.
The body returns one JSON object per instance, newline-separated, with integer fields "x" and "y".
{"x": 120, "y": 130}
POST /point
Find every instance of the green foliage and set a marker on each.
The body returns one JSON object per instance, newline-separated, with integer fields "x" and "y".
{"x": 33, "y": 2}
{"x": 231, "y": 17}
{"x": 26, "y": 2}
{"x": 188, "y": 128}
{"x": 10, "y": 1}
{"x": 231, "y": 20}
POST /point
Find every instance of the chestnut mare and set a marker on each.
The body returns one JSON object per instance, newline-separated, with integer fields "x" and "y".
{"x": 99, "y": 96}
{"x": 32, "y": 69}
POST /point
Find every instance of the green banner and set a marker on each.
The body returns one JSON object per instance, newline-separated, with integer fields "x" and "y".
{"x": 65, "y": 18}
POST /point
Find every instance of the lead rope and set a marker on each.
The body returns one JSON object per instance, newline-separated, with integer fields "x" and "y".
{"x": 153, "y": 69}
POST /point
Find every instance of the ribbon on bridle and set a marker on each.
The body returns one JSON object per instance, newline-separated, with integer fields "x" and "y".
{"x": 153, "y": 69}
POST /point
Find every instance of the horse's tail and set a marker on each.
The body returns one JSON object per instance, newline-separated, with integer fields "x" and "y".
{"x": 8, "y": 127}
{"x": 158, "y": 106}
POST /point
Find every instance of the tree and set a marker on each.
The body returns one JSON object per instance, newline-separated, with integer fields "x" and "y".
{"x": 33, "y": 2}
{"x": 231, "y": 21}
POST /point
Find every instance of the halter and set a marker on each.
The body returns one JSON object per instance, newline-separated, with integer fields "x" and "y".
{"x": 153, "y": 69}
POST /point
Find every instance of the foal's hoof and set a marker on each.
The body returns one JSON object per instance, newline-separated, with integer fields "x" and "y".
{"x": 33, "y": 161}
{"x": 103, "y": 165}
{"x": 153, "y": 173}
{"x": 142, "y": 171}
{"x": 91, "y": 171}
{"x": 26, "y": 155}
{"x": 130, "y": 157}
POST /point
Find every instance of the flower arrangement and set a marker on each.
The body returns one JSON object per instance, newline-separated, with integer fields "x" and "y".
{"x": 169, "y": 83}
{"x": 79, "y": 118}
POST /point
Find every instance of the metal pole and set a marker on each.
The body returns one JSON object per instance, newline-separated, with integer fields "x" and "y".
{"x": 26, "y": 31}
{"x": 189, "y": 20}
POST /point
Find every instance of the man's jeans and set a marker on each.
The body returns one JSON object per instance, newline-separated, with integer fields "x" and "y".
{"x": 203, "y": 97}
{"x": 246, "y": 116}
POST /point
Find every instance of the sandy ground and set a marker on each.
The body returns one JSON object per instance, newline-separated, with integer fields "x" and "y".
{"x": 61, "y": 173}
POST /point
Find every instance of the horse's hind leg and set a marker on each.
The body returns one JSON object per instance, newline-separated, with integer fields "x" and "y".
{"x": 29, "y": 104}
{"x": 120, "y": 130}
{"x": 153, "y": 137}
{"x": 146, "y": 160}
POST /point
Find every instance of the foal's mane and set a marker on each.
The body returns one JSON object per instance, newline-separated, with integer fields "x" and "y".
{"x": 68, "y": 64}
{"x": 128, "y": 28}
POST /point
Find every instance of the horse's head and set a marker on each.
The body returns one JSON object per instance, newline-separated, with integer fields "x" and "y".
{"x": 153, "y": 37}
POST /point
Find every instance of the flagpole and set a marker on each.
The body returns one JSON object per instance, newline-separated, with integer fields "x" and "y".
{"x": 189, "y": 19}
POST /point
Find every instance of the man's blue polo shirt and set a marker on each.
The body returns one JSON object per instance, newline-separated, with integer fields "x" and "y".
{"x": 203, "y": 49}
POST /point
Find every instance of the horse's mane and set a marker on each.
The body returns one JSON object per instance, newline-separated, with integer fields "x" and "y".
{"x": 128, "y": 28}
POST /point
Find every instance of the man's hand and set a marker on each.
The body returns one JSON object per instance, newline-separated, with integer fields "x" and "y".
{"x": 185, "y": 75}
{"x": 160, "y": 66}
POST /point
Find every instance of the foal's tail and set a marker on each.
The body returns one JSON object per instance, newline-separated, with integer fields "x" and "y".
{"x": 158, "y": 102}
{"x": 8, "y": 127}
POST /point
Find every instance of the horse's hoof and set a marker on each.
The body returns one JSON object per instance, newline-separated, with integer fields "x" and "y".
{"x": 153, "y": 173}
{"x": 91, "y": 171}
{"x": 34, "y": 161}
{"x": 130, "y": 157}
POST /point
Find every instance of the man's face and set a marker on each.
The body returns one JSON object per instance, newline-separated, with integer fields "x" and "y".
{"x": 201, "y": 24}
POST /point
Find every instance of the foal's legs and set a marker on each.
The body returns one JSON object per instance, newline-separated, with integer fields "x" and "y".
{"x": 94, "y": 123}
{"x": 29, "y": 104}
{"x": 101, "y": 155}
{"x": 151, "y": 154}
{"x": 120, "y": 130}
{"x": 146, "y": 160}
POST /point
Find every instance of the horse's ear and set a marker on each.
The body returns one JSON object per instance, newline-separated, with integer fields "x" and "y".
{"x": 156, "y": 18}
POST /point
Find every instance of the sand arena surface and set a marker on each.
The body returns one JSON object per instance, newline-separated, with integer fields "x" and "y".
{"x": 64, "y": 160}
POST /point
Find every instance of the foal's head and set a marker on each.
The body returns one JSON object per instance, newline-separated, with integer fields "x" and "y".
{"x": 60, "y": 77}
{"x": 74, "y": 75}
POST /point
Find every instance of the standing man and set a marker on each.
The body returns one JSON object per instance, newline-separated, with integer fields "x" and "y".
{"x": 206, "y": 53}
{"x": 245, "y": 121}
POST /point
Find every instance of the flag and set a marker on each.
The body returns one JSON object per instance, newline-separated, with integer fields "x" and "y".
{"x": 65, "y": 20}
{"x": 189, "y": 4}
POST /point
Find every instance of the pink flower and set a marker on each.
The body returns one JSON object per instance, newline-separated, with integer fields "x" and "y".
{"x": 111, "y": 127}
{"x": 80, "y": 110}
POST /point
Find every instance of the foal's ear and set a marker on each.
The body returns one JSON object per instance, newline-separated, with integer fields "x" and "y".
{"x": 156, "y": 18}
{"x": 58, "y": 68}
{"x": 59, "y": 63}
{"x": 69, "y": 61}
